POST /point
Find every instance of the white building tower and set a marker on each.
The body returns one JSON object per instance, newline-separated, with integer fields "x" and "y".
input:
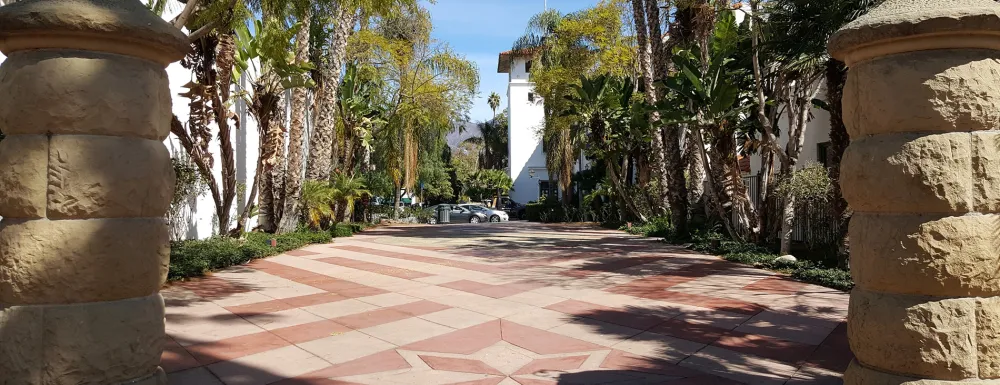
{"x": 526, "y": 117}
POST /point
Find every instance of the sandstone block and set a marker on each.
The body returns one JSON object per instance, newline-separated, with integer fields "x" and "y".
{"x": 71, "y": 261}
{"x": 909, "y": 173}
{"x": 924, "y": 337}
{"x": 108, "y": 177}
{"x": 92, "y": 343}
{"x": 157, "y": 378}
{"x": 859, "y": 375}
{"x": 926, "y": 254}
{"x": 986, "y": 171}
{"x": 84, "y": 93}
{"x": 924, "y": 91}
{"x": 988, "y": 336}
{"x": 23, "y": 163}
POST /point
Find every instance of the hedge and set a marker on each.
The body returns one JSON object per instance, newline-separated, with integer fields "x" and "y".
{"x": 194, "y": 258}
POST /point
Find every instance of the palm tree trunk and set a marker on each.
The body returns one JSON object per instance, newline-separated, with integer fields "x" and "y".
{"x": 836, "y": 77}
{"x": 322, "y": 141}
{"x": 673, "y": 166}
{"x": 657, "y": 159}
{"x": 299, "y": 105}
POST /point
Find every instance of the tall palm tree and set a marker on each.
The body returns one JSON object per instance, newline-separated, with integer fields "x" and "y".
{"x": 657, "y": 158}
{"x": 494, "y": 102}
{"x": 345, "y": 17}
{"x": 296, "y": 130}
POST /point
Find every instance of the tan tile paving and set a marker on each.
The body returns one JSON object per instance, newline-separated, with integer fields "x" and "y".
{"x": 545, "y": 304}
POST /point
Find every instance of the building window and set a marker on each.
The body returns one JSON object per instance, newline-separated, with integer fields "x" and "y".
{"x": 548, "y": 189}
{"x": 527, "y": 67}
{"x": 823, "y": 154}
{"x": 531, "y": 97}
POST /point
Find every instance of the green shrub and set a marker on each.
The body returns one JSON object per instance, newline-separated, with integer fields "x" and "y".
{"x": 194, "y": 258}
{"x": 533, "y": 211}
{"x": 342, "y": 230}
{"x": 833, "y": 278}
{"x": 658, "y": 227}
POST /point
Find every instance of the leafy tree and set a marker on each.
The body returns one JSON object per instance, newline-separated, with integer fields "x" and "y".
{"x": 465, "y": 162}
{"x": 493, "y": 181}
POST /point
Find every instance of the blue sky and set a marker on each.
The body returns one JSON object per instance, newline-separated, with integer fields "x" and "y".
{"x": 481, "y": 29}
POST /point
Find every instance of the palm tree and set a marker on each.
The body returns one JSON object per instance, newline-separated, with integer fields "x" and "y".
{"x": 494, "y": 102}
{"x": 318, "y": 200}
{"x": 296, "y": 130}
{"x": 346, "y": 190}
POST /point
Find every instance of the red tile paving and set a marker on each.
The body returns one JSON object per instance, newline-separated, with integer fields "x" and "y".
{"x": 557, "y": 364}
{"x": 310, "y": 331}
{"x": 542, "y": 342}
{"x": 313, "y": 299}
{"x": 459, "y": 365}
{"x": 371, "y": 318}
{"x": 609, "y": 266}
{"x": 485, "y": 381}
{"x": 464, "y": 341}
{"x": 777, "y": 285}
{"x": 701, "y": 333}
{"x": 715, "y": 303}
{"x": 375, "y": 363}
{"x": 300, "y": 253}
{"x": 619, "y": 360}
{"x": 607, "y": 314}
{"x": 260, "y": 308}
{"x": 419, "y": 258}
{"x": 834, "y": 353}
{"x": 420, "y": 308}
{"x": 518, "y": 346}
{"x": 211, "y": 288}
{"x": 492, "y": 291}
{"x": 765, "y": 346}
{"x": 236, "y": 347}
{"x": 375, "y": 268}
{"x": 175, "y": 358}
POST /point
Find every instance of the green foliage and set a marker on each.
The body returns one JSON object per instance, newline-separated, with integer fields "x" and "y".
{"x": 759, "y": 257}
{"x": 811, "y": 183}
{"x": 658, "y": 227}
{"x": 194, "y": 258}
{"x": 379, "y": 183}
{"x": 342, "y": 230}
{"x": 188, "y": 181}
{"x": 318, "y": 199}
{"x": 436, "y": 180}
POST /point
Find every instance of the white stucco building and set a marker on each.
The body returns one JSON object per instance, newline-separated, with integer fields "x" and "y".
{"x": 526, "y": 114}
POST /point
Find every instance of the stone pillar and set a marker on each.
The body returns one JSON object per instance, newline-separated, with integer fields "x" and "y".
{"x": 84, "y": 182}
{"x": 922, "y": 106}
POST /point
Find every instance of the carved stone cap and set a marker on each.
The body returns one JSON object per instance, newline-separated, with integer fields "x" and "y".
{"x": 898, "y": 26}
{"x": 124, "y": 27}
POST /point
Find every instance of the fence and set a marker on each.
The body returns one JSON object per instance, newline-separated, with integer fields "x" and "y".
{"x": 814, "y": 221}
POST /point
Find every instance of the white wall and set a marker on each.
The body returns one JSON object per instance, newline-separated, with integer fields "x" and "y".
{"x": 526, "y": 121}
{"x": 817, "y": 131}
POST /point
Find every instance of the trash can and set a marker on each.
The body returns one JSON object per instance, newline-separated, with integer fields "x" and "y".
{"x": 444, "y": 214}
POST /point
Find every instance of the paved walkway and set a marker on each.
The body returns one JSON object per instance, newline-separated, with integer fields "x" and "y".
{"x": 508, "y": 304}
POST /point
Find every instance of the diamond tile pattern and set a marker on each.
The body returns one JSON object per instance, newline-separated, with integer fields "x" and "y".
{"x": 558, "y": 304}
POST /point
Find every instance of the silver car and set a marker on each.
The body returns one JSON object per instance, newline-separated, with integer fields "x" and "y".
{"x": 492, "y": 214}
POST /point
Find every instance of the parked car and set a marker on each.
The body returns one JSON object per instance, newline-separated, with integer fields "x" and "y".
{"x": 459, "y": 214}
{"x": 494, "y": 215}
{"x": 516, "y": 210}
